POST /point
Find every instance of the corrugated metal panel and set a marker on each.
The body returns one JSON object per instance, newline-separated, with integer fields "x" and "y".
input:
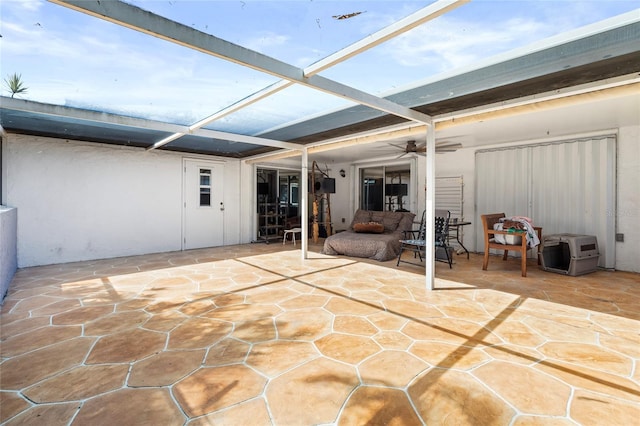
{"x": 574, "y": 190}
{"x": 565, "y": 187}
{"x": 502, "y": 180}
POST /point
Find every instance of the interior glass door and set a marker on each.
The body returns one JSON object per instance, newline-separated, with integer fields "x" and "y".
{"x": 385, "y": 188}
{"x": 372, "y": 188}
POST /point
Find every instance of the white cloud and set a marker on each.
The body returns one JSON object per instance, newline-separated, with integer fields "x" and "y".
{"x": 447, "y": 43}
{"x": 265, "y": 42}
{"x": 30, "y": 5}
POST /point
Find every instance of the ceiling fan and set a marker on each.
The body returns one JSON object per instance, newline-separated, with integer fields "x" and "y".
{"x": 441, "y": 147}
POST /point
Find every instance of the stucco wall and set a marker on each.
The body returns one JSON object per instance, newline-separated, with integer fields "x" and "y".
{"x": 628, "y": 211}
{"x": 81, "y": 201}
{"x": 8, "y": 248}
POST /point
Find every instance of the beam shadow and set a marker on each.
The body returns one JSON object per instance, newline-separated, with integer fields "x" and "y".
{"x": 473, "y": 341}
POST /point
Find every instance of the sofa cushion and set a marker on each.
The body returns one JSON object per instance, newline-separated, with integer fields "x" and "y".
{"x": 361, "y": 216}
{"x": 378, "y": 216}
{"x": 391, "y": 221}
{"x": 406, "y": 223}
{"x": 369, "y": 228}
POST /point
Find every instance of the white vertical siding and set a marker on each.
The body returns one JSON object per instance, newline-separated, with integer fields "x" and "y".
{"x": 502, "y": 183}
{"x": 577, "y": 194}
{"x": 565, "y": 187}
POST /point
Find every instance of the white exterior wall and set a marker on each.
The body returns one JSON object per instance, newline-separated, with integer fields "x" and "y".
{"x": 8, "y": 249}
{"x": 342, "y": 206}
{"x": 628, "y": 199}
{"x": 81, "y": 201}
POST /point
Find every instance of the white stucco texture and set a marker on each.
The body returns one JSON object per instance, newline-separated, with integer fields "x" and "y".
{"x": 80, "y": 201}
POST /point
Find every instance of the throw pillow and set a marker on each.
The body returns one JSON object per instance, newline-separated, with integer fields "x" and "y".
{"x": 369, "y": 228}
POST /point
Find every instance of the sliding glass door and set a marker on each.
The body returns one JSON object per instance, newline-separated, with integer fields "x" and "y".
{"x": 385, "y": 187}
{"x": 371, "y": 188}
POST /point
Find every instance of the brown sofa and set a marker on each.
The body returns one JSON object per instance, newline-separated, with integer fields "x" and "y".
{"x": 379, "y": 246}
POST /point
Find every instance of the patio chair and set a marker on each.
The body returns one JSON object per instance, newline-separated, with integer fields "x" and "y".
{"x": 488, "y": 220}
{"x": 414, "y": 241}
{"x": 441, "y": 232}
{"x": 415, "y": 233}
{"x": 417, "y": 243}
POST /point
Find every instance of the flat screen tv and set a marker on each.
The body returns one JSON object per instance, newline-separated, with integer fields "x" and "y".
{"x": 329, "y": 185}
{"x": 395, "y": 189}
{"x": 324, "y": 186}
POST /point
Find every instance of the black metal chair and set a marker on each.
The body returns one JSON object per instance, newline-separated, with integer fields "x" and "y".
{"x": 415, "y": 240}
{"x": 442, "y": 234}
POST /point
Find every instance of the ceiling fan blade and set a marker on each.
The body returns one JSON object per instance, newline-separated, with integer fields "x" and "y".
{"x": 395, "y": 145}
{"x": 440, "y": 147}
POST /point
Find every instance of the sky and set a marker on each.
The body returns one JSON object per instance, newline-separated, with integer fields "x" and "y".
{"x": 65, "y": 57}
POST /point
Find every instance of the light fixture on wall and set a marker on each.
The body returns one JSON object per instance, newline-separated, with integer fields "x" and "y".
{"x": 343, "y": 173}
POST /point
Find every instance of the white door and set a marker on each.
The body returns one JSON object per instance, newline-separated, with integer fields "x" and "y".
{"x": 203, "y": 218}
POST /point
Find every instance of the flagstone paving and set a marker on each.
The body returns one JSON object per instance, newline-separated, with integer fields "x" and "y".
{"x": 254, "y": 335}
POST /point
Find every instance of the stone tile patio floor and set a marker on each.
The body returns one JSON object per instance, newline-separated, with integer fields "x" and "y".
{"x": 253, "y": 335}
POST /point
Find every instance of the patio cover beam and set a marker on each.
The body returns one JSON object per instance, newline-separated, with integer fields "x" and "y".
{"x": 121, "y": 120}
{"x": 243, "y": 103}
{"x": 415, "y": 19}
{"x": 140, "y": 20}
{"x": 605, "y": 89}
{"x": 377, "y": 135}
